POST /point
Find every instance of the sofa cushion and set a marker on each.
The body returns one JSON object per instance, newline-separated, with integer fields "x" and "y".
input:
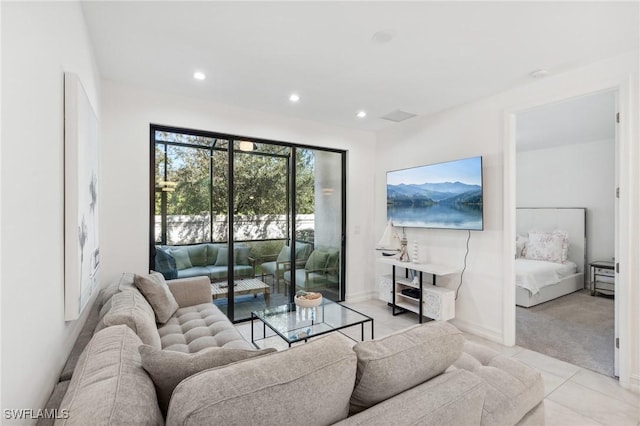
{"x": 389, "y": 366}
{"x": 307, "y": 384}
{"x": 165, "y": 263}
{"x": 181, "y": 256}
{"x": 123, "y": 283}
{"x": 223, "y": 257}
{"x": 168, "y": 368}
{"x": 241, "y": 255}
{"x": 130, "y": 308}
{"x": 154, "y": 288}
{"x": 513, "y": 388}
{"x": 197, "y": 254}
{"x": 453, "y": 398}
{"x": 212, "y": 253}
{"x": 198, "y": 327}
{"x": 110, "y": 387}
{"x": 317, "y": 260}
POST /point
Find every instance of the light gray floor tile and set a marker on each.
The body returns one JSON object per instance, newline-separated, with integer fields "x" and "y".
{"x": 606, "y": 385}
{"x": 551, "y": 382}
{"x": 558, "y": 415}
{"x": 594, "y": 405}
{"x": 547, "y": 363}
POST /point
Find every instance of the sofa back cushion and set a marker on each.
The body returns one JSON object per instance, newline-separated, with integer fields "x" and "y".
{"x": 398, "y": 362}
{"x": 181, "y": 256}
{"x": 307, "y": 384}
{"x": 109, "y": 385}
{"x": 168, "y": 368}
{"x": 165, "y": 263}
{"x": 212, "y": 253}
{"x": 240, "y": 256}
{"x": 197, "y": 254}
{"x": 130, "y": 308}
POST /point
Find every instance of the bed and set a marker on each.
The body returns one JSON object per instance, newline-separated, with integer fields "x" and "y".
{"x": 538, "y": 281}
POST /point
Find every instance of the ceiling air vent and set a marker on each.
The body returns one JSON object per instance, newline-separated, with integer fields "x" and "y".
{"x": 398, "y": 116}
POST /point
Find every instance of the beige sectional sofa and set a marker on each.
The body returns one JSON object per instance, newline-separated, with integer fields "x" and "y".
{"x": 427, "y": 374}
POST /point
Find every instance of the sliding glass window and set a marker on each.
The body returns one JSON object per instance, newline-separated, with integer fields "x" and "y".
{"x": 263, "y": 218}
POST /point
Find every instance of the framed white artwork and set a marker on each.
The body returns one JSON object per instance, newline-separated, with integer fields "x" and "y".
{"x": 81, "y": 161}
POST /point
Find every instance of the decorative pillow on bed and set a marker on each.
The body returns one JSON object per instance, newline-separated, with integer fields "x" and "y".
{"x": 550, "y": 246}
{"x": 521, "y": 241}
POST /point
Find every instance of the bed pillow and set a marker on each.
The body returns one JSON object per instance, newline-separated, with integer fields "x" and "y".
{"x": 549, "y": 246}
{"x": 521, "y": 241}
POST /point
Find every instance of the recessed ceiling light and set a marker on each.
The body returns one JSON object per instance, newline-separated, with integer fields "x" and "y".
{"x": 198, "y": 75}
{"x": 539, "y": 73}
{"x": 384, "y": 36}
{"x": 361, "y": 114}
{"x": 294, "y": 97}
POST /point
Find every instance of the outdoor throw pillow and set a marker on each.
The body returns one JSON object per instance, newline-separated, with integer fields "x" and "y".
{"x": 317, "y": 260}
{"x": 155, "y": 289}
{"x": 168, "y": 368}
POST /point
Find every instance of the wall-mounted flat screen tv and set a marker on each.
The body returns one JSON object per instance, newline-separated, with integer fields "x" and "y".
{"x": 444, "y": 195}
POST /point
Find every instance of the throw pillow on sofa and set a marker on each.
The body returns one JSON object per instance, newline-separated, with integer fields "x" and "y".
{"x": 398, "y": 362}
{"x": 155, "y": 289}
{"x": 168, "y": 368}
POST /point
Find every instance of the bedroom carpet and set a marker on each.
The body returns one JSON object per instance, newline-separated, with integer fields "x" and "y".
{"x": 576, "y": 328}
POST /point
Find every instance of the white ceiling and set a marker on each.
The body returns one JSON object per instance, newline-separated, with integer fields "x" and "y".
{"x": 444, "y": 53}
{"x": 580, "y": 120}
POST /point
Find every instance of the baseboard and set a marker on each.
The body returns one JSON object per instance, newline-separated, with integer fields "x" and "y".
{"x": 486, "y": 333}
{"x": 361, "y": 296}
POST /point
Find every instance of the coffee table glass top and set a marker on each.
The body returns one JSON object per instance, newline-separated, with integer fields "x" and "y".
{"x": 293, "y": 323}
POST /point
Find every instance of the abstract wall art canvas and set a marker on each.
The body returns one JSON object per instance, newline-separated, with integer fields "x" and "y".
{"x": 81, "y": 160}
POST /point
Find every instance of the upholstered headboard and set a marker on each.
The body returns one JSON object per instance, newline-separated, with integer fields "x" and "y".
{"x": 572, "y": 220}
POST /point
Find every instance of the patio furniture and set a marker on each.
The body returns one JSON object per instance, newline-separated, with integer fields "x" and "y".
{"x": 207, "y": 259}
{"x": 276, "y": 266}
{"x": 321, "y": 270}
{"x": 247, "y": 286}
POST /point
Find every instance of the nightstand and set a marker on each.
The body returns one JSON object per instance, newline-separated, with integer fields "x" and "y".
{"x": 602, "y": 277}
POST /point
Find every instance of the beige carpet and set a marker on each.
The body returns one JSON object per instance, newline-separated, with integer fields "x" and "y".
{"x": 577, "y": 328}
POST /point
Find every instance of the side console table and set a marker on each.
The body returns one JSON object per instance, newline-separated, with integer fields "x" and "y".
{"x": 433, "y": 302}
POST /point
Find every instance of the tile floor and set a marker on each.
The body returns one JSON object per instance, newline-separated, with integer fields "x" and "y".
{"x": 573, "y": 395}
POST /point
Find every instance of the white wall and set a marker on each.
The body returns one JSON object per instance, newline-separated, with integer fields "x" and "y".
{"x": 579, "y": 175}
{"x": 36, "y": 49}
{"x": 478, "y": 128}
{"x": 127, "y": 113}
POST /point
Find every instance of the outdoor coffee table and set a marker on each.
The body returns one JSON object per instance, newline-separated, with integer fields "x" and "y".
{"x": 295, "y": 324}
{"x": 246, "y": 286}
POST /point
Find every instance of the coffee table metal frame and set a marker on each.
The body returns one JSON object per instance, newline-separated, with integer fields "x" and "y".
{"x": 286, "y": 311}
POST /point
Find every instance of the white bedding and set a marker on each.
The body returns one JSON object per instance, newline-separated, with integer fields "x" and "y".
{"x": 535, "y": 274}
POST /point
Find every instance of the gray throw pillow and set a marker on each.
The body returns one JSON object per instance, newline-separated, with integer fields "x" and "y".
{"x": 398, "y": 362}
{"x": 155, "y": 289}
{"x": 168, "y": 368}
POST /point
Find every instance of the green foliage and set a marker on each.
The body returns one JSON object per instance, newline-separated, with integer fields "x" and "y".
{"x": 200, "y": 174}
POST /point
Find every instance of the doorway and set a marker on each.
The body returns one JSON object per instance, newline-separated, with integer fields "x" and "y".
{"x": 566, "y": 156}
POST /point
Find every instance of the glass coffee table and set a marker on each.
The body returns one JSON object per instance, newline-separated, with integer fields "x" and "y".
{"x": 295, "y": 324}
